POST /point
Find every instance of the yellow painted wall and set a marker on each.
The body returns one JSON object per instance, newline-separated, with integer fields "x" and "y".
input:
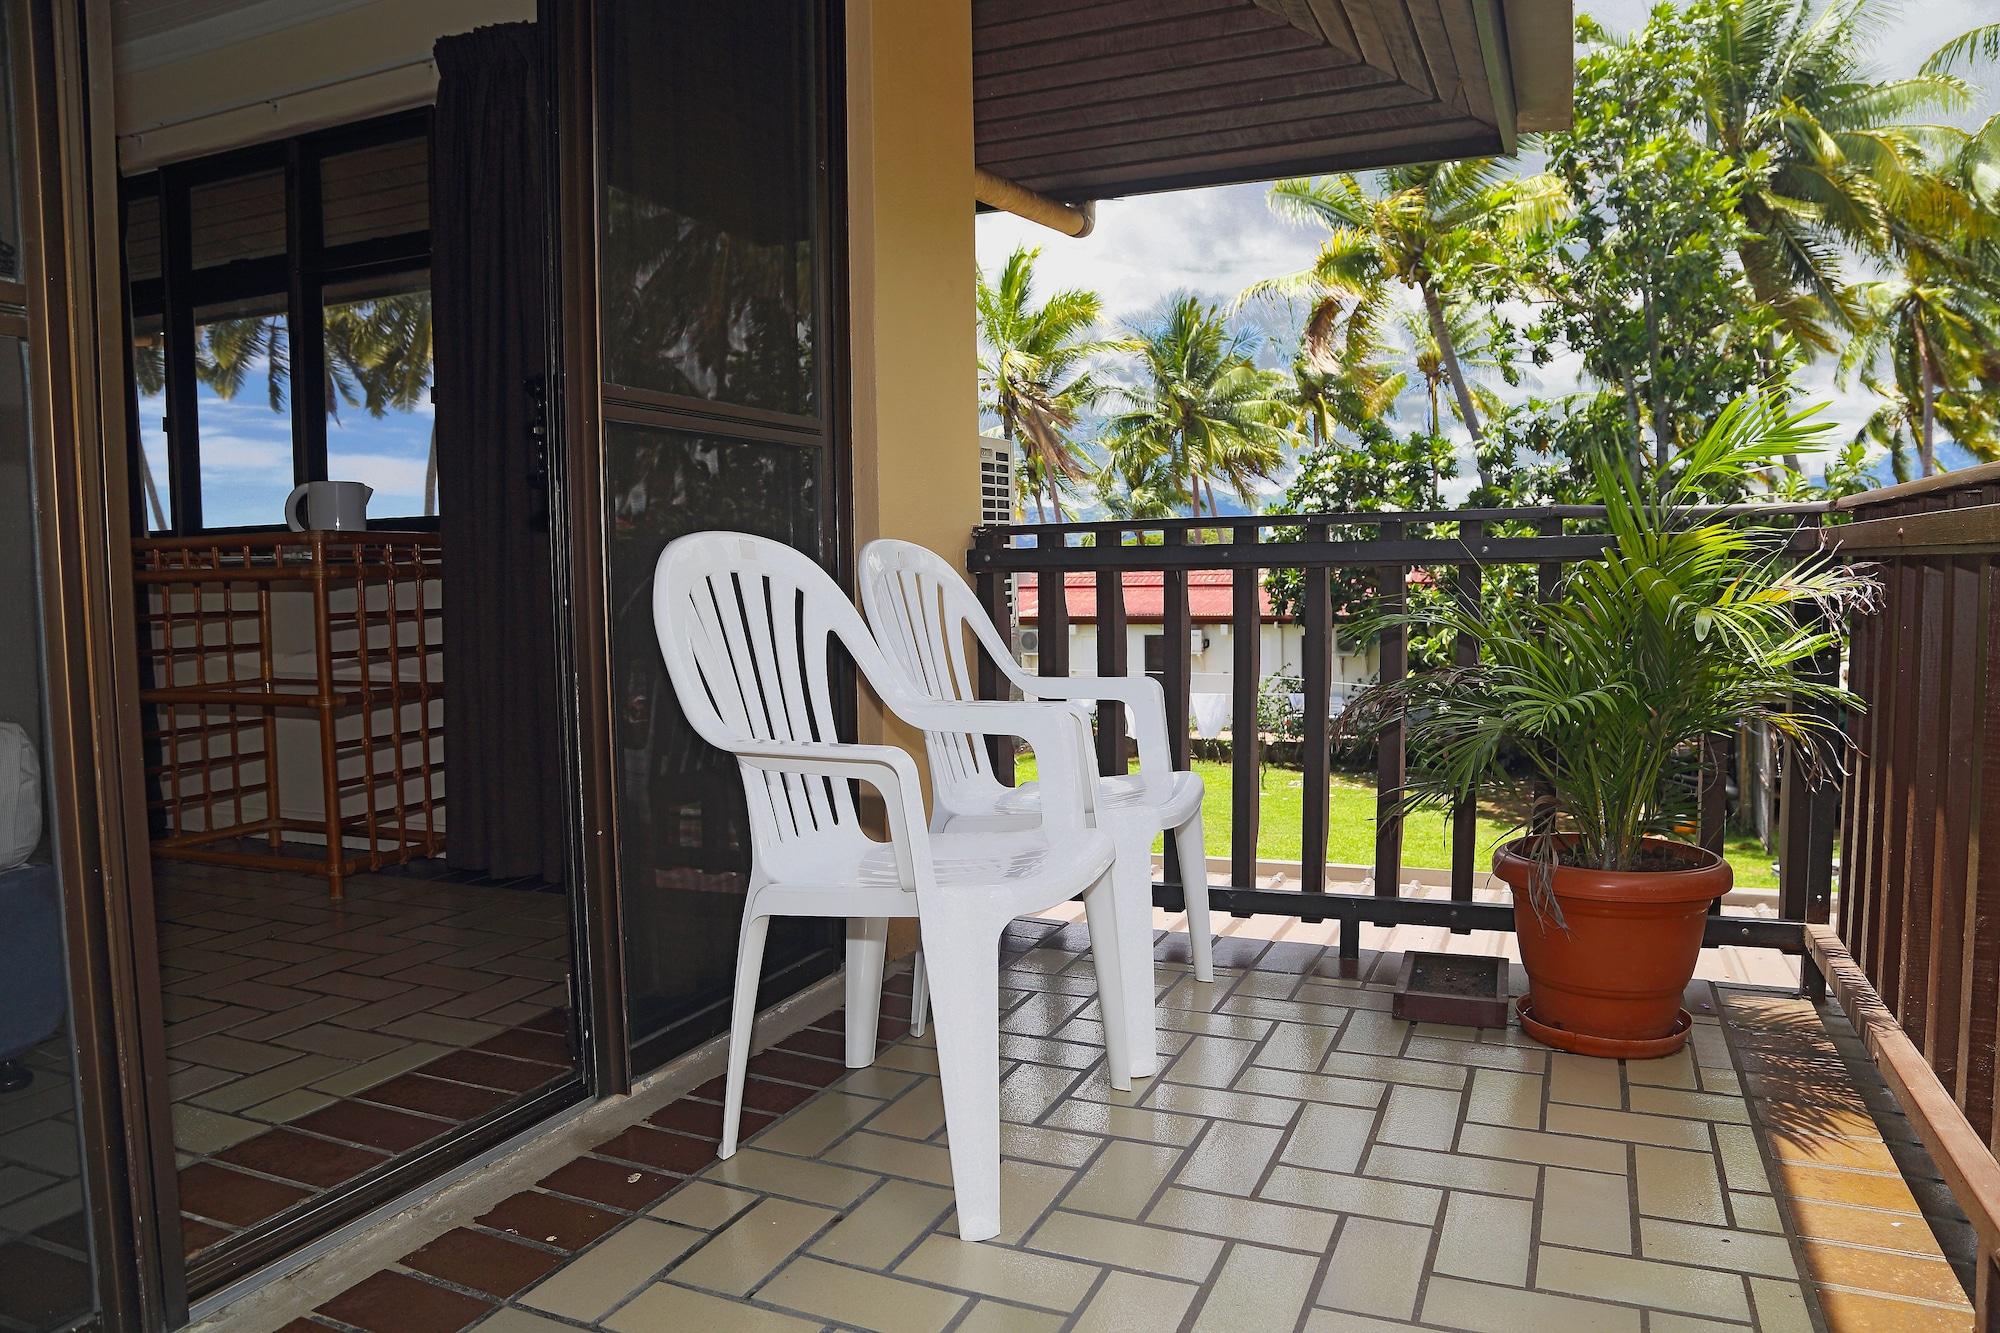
{"x": 911, "y": 265}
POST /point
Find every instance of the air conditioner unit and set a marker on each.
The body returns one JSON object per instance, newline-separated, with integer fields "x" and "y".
{"x": 996, "y": 480}
{"x": 1031, "y": 641}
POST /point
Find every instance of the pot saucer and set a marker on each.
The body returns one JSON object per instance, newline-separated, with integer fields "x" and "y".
{"x": 1611, "y": 1048}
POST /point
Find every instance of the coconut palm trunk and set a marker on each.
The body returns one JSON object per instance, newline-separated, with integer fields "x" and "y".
{"x": 1448, "y": 354}
{"x": 1927, "y": 426}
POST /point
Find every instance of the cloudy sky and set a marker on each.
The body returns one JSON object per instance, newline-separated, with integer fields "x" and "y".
{"x": 1216, "y": 242}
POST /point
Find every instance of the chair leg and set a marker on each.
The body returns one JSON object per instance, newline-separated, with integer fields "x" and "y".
{"x": 1187, "y": 842}
{"x": 1132, "y": 884}
{"x": 966, "y": 990}
{"x": 1107, "y": 950}
{"x": 867, "y": 951}
{"x": 742, "y": 1019}
{"x": 920, "y": 996}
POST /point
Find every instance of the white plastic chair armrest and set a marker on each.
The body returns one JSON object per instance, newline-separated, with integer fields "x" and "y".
{"x": 1144, "y": 701}
{"x": 890, "y": 771}
{"x": 1058, "y": 734}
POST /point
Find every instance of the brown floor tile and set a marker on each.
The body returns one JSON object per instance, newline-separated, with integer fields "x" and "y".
{"x": 795, "y": 1068}
{"x": 491, "y": 1071}
{"x": 550, "y": 1048}
{"x": 704, "y": 1119}
{"x": 234, "y": 1197}
{"x": 552, "y": 1221}
{"x": 197, "y": 1235}
{"x": 373, "y": 1126}
{"x": 435, "y": 1096}
{"x": 553, "y": 1020}
{"x": 398, "y": 1303}
{"x": 483, "y": 1261}
{"x": 617, "y": 1184}
{"x": 765, "y": 1095}
{"x": 302, "y": 1157}
{"x": 657, "y": 1148}
{"x": 812, "y": 1041}
{"x": 41, "y": 1288}
{"x": 305, "y": 1326}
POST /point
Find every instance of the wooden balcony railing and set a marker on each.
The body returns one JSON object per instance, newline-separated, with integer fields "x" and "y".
{"x": 1455, "y": 545}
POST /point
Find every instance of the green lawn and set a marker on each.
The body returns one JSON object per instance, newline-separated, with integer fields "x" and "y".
{"x": 1351, "y": 825}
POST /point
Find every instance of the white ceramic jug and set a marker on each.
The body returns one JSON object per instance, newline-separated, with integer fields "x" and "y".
{"x": 328, "y": 506}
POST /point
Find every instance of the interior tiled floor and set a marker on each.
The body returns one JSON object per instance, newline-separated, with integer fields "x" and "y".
{"x": 310, "y": 1041}
{"x": 44, "y": 1265}
{"x": 1303, "y": 1161}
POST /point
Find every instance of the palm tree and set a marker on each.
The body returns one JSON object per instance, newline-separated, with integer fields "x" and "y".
{"x": 1201, "y": 411}
{"x": 1429, "y": 228}
{"x": 1940, "y": 337}
{"x": 1034, "y": 372}
{"x": 1472, "y": 340}
{"x": 1827, "y": 149}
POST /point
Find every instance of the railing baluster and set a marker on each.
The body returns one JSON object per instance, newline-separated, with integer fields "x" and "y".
{"x": 1317, "y": 672}
{"x": 1390, "y": 761}
{"x": 1052, "y": 623}
{"x": 1712, "y": 780}
{"x": 1177, "y": 668}
{"x": 993, "y": 587}
{"x": 1245, "y": 761}
{"x": 1932, "y": 727}
{"x": 1465, "y": 652}
{"x": 1112, "y": 660}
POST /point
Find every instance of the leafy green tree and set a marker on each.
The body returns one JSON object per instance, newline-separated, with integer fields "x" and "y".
{"x": 1200, "y": 410}
{"x": 1035, "y": 373}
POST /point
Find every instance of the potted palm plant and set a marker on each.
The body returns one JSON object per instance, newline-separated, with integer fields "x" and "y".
{"x": 1686, "y": 627}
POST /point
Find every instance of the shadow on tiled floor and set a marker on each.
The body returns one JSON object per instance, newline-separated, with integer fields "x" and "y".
{"x": 1304, "y": 1160}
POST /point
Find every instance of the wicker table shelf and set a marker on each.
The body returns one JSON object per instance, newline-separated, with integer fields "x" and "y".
{"x": 242, "y": 630}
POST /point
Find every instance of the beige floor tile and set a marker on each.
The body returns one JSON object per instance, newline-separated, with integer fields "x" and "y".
{"x": 994, "y": 1270}
{"x": 1521, "y": 1059}
{"x": 1742, "y": 1162}
{"x": 510, "y": 1320}
{"x": 1781, "y": 1306}
{"x": 1386, "y": 1199}
{"x": 284, "y": 1109}
{"x": 1484, "y": 1309}
{"x": 1319, "y": 1319}
{"x": 1420, "y": 1118}
{"x": 1190, "y": 1100}
{"x": 1387, "y": 1069}
{"x": 1256, "y": 1221}
{"x": 864, "y": 1300}
{"x": 1376, "y": 1268}
{"x": 1374, "y": 1034}
{"x": 1054, "y": 1147}
{"x": 1329, "y": 1138}
{"x": 1503, "y": 1097}
{"x": 1583, "y": 1081}
{"x": 1209, "y": 1062}
{"x": 1680, "y": 1185}
{"x": 1485, "y": 1238}
{"x": 743, "y": 1253}
{"x": 1673, "y": 1071}
{"x": 1716, "y": 1247}
{"x": 595, "y": 1281}
{"x": 1755, "y": 1212}
{"x": 1296, "y": 1046}
{"x": 1026, "y": 1191}
{"x": 703, "y": 1205}
{"x": 1328, "y": 1088}
{"x": 917, "y": 1114}
{"x": 877, "y": 1081}
{"x": 1626, "y": 1127}
{"x": 254, "y": 1089}
{"x": 811, "y": 1129}
{"x": 908, "y": 1059}
{"x": 1417, "y": 1167}
{"x": 774, "y": 1173}
{"x": 1030, "y": 1090}
{"x": 199, "y": 1130}
{"x": 1662, "y": 1321}
{"x": 1125, "y": 1122}
{"x": 1690, "y": 1105}
{"x": 1126, "y": 1245}
{"x": 928, "y": 1162}
{"x": 1530, "y": 1145}
{"x": 1232, "y": 1158}
{"x": 665, "y": 1306}
{"x": 1257, "y": 1289}
{"x": 1587, "y": 1210}
{"x": 1129, "y": 1303}
{"x": 1123, "y": 1180}
{"x": 994, "y": 1317}
{"x": 380, "y": 1069}
{"x": 886, "y": 1223}
{"x": 446, "y": 1031}
{"x": 1641, "y": 1282}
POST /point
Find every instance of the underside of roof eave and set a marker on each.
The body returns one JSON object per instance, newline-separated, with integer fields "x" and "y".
{"x": 1540, "y": 38}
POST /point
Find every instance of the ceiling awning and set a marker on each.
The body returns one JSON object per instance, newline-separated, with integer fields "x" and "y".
{"x": 1093, "y": 100}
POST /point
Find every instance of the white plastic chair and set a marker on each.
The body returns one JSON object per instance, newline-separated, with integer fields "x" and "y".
{"x": 746, "y": 626}
{"x": 921, "y": 609}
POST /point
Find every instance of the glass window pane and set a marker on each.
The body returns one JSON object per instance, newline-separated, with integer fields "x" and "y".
{"x": 380, "y": 428}
{"x": 239, "y": 218}
{"x": 684, "y": 849}
{"x": 709, "y": 245}
{"x": 142, "y": 238}
{"x": 149, "y": 372}
{"x": 45, "y": 1263}
{"x": 375, "y": 192}
{"x": 10, "y": 170}
{"x": 243, "y": 399}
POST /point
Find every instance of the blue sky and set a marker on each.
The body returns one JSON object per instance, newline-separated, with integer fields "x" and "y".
{"x": 1216, "y": 242}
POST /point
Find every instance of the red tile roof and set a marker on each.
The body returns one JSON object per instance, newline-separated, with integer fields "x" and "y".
{"x": 1208, "y": 597}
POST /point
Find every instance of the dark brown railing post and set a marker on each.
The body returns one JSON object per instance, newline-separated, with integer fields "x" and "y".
{"x": 1317, "y": 682}
{"x": 1465, "y": 652}
{"x": 1245, "y": 761}
{"x": 1390, "y": 762}
{"x": 1111, "y": 661}
{"x": 1177, "y": 667}
{"x": 992, "y": 586}
{"x": 1711, "y": 826}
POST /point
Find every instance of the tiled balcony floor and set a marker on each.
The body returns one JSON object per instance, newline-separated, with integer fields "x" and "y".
{"x": 1303, "y": 1161}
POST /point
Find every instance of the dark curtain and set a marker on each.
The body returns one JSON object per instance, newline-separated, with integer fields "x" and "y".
{"x": 489, "y": 259}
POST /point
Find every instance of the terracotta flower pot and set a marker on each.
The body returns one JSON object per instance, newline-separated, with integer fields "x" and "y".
{"x": 1610, "y": 983}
